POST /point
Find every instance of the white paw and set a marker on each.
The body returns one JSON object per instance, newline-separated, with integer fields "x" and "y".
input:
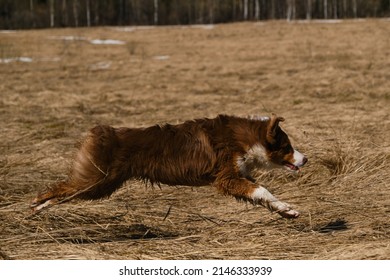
{"x": 289, "y": 214}
{"x": 286, "y": 211}
{"x": 38, "y": 207}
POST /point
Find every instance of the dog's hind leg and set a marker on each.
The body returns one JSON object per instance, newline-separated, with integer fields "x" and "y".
{"x": 51, "y": 196}
{"x": 243, "y": 189}
{"x": 91, "y": 175}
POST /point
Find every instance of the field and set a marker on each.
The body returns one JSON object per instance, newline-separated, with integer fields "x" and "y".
{"x": 330, "y": 80}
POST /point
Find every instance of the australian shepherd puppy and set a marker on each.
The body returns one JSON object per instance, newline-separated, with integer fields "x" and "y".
{"x": 220, "y": 152}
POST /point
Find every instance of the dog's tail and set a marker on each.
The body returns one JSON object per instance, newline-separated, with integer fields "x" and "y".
{"x": 91, "y": 176}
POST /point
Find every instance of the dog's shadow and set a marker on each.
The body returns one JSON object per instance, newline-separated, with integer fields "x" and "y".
{"x": 332, "y": 226}
{"x": 120, "y": 233}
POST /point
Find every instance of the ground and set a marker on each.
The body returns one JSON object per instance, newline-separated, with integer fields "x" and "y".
{"x": 329, "y": 80}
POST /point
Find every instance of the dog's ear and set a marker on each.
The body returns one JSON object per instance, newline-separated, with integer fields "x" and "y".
{"x": 272, "y": 128}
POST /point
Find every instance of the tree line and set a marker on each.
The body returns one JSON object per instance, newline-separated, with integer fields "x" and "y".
{"x": 24, "y": 14}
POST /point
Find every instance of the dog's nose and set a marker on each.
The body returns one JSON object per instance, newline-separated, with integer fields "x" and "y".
{"x": 304, "y": 160}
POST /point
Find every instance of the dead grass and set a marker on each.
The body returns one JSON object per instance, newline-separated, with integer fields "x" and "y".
{"x": 330, "y": 82}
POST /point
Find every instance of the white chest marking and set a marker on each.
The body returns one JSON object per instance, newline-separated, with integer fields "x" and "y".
{"x": 255, "y": 157}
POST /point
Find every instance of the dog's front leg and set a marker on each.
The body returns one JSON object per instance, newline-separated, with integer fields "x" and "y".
{"x": 244, "y": 189}
{"x": 261, "y": 195}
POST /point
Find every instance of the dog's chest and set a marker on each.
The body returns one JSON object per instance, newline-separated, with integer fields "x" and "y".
{"x": 254, "y": 158}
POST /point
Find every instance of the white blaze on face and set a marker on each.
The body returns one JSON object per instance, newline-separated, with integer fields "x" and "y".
{"x": 299, "y": 159}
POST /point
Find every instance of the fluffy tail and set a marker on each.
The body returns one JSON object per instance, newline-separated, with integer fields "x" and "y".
{"x": 92, "y": 175}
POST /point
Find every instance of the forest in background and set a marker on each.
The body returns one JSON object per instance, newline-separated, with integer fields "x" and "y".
{"x": 28, "y": 14}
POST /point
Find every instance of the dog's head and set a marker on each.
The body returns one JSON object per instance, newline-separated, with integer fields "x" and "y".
{"x": 278, "y": 147}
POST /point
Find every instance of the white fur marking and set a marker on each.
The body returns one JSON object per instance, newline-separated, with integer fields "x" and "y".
{"x": 255, "y": 157}
{"x": 259, "y": 118}
{"x": 298, "y": 158}
{"x": 43, "y": 205}
{"x": 256, "y": 152}
{"x": 262, "y": 196}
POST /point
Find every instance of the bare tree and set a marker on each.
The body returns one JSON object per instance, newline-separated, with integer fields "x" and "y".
{"x": 155, "y": 12}
{"x": 88, "y": 13}
{"x": 345, "y": 8}
{"x": 65, "y": 19}
{"x": 51, "y": 13}
{"x": 211, "y": 10}
{"x": 32, "y": 11}
{"x": 326, "y": 9}
{"x": 96, "y": 9}
{"x": 294, "y": 10}
{"x": 120, "y": 12}
{"x": 257, "y": 9}
{"x": 290, "y": 9}
{"x": 354, "y": 8}
{"x": 75, "y": 13}
{"x": 245, "y": 9}
{"x": 273, "y": 7}
{"x": 308, "y": 10}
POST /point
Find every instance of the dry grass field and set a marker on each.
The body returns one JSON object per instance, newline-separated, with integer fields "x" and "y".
{"x": 331, "y": 81}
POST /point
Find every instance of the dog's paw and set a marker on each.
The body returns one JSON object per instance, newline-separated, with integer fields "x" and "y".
{"x": 38, "y": 204}
{"x": 289, "y": 214}
{"x": 286, "y": 211}
{"x": 36, "y": 207}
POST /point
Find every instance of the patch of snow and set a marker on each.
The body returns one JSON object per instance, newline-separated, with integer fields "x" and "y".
{"x": 25, "y": 59}
{"x": 133, "y": 28}
{"x": 331, "y": 21}
{"x": 136, "y": 28}
{"x": 69, "y": 38}
{"x": 106, "y": 42}
{"x": 49, "y": 59}
{"x": 15, "y": 59}
{"x": 103, "y": 65}
{"x": 161, "y": 57}
{"x": 7, "y": 31}
{"x": 323, "y": 21}
{"x": 203, "y": 26}
{"x": 92, "y": 41}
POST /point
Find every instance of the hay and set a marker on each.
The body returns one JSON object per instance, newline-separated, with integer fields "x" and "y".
{"x": 330, "y": 85}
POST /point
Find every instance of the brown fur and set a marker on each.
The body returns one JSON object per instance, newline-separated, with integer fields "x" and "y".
{"x": 194, "y": 153}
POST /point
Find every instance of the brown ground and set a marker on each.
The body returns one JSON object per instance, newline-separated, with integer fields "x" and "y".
{"x": 331, "y": 81}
